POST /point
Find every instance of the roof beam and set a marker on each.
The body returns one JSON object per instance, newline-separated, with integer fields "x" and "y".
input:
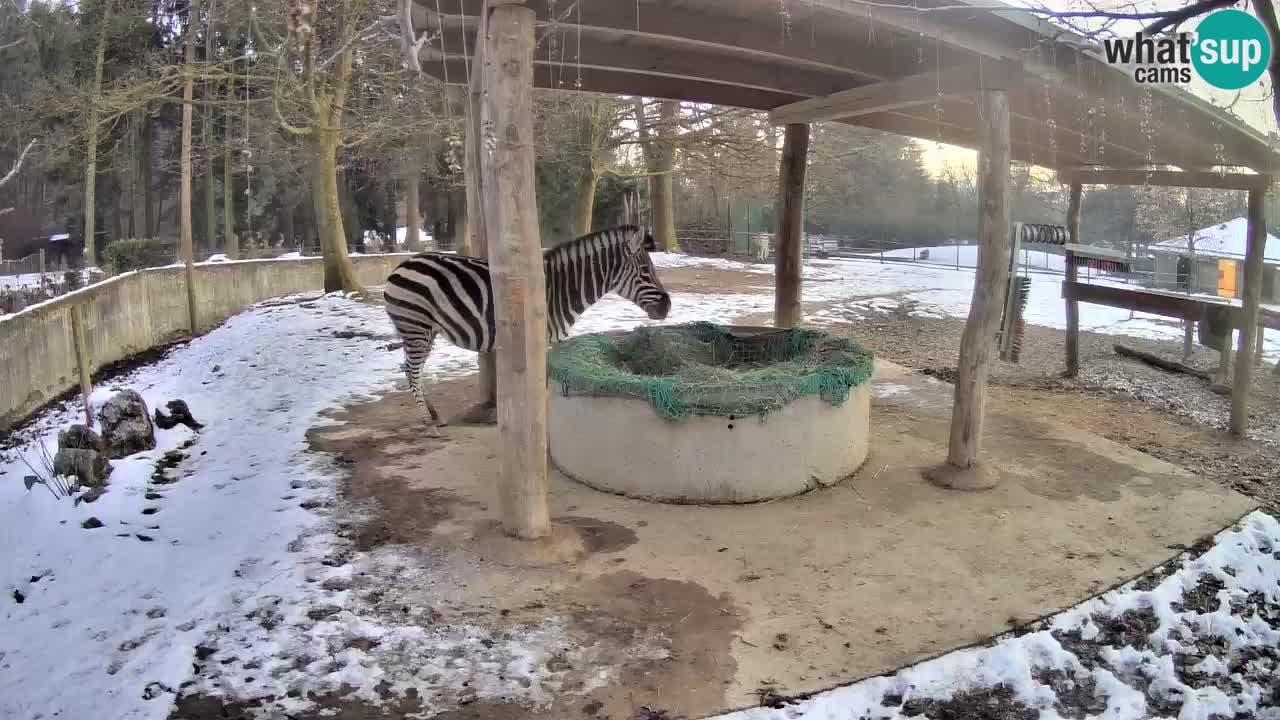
{"x": 920, "y": 89}
{"x": 625, "y": 82}
{"x": 1168, "y": 178}
{"x": 677, "y": 27}
{"x": 637, "y": 56}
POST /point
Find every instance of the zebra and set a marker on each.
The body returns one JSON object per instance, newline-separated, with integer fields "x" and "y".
{"x": 432, "y": 293}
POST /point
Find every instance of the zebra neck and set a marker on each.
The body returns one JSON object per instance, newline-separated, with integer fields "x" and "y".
{"x": 578, "y": 274}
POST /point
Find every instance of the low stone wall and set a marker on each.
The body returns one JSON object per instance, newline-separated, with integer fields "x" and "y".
{"x": 137, "y": 311}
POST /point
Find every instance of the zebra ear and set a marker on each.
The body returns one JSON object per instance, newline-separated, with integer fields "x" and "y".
{"x": 648, "y": 243}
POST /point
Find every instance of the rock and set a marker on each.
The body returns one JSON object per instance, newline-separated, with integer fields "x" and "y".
{"x": 90, "y": 467}
{"x": 91, "y": 523}
{"x": 179, "y": 414}
{"x": 81, "y": 437}
{"x": 126, "y": 424}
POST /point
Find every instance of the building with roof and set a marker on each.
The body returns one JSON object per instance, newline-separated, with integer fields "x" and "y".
{"x": 1211, "y": 260}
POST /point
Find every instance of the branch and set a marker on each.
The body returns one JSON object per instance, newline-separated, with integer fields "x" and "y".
{"x": 18, "y": 165}
{"x": 1267, "y": 14}
{"x": 15, "y": 43}
{"x": 275, "y": 105}
{"x": 382, "y": 23}
{"x": 1178, "y": 16}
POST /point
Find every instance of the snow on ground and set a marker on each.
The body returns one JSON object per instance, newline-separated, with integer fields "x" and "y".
{"x": 1202, "y": 643}
{"x": 112, "y": 617}
{"x": 966, "y": 256}
{"x": 940, "y": 292}
{"x": 32, "y": 280}
{"x": 860, "y": 287}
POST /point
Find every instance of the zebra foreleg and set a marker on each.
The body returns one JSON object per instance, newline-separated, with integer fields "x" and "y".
{"x": 416, "y": 351}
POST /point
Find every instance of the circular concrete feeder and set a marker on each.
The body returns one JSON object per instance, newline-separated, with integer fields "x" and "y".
{"x": 622, "y": 445}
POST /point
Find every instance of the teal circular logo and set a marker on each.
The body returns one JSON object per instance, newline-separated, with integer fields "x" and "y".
{"x": 1232, "y": 49}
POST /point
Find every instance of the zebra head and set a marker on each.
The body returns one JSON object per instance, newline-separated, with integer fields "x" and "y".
{"x": 638, "y": 280}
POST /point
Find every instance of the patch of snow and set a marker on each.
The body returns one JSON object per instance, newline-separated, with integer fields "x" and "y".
{"x": 888, "y": 390}
{"x": 111, "y": 626}
{"x": 112, "y": 615}
{"x": 1228, "y": 239}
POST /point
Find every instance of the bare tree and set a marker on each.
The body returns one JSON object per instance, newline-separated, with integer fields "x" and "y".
{"x": 13, "y": 172}
{"x": 91, "y": 163}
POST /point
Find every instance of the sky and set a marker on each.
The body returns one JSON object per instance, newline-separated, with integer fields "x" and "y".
{"x": 1252, "y": 105}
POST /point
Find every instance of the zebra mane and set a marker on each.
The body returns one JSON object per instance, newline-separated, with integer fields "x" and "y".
{"x": 616, "y": 234}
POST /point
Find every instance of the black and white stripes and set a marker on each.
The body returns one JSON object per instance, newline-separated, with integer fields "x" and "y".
{"x": 432, "y": 293}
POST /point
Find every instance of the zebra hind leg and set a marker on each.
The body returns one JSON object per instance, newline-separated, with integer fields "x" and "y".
{"x": 416, "y": 351}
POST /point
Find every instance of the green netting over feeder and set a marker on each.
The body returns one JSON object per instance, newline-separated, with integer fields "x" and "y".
{"x": 710, "y": 370}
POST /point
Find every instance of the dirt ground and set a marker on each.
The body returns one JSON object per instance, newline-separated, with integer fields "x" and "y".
{"x": 690, "y": 610}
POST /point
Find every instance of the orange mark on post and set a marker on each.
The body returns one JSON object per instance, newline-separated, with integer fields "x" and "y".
{"x": 516, "y": 291}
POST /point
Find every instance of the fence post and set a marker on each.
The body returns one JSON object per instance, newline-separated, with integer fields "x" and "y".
{"x": 41, "y": 261}
{"x": 82, "y": 359}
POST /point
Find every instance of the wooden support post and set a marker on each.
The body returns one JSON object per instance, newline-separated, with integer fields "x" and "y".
{"x": 515, "y": 257}
{"x": 789, "y": 262}
{"x": 477, "y": 238}
{"x": 961, "y": 471}
{"x": 42, "y": 265}
{"x": 1073, "y": 307}
{"x": 1251, "y": 296}
{"x": 82, "y": 360}
{"x": 1223, "y": 376}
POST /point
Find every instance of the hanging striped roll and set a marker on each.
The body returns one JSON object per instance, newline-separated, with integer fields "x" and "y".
{"x": 1013, "y": 323}
{"x": 1098, "y": 258}
{"x": 1020, "y": 325}
{"x": 1043, "y": 234}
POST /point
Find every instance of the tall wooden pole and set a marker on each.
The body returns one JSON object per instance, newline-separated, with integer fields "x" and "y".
{"x": 515, "y": 257}
{"x": 83, "y": 363}
{"x": 961, "y": 471}
{"x": 789, "y": 262}
{"x": 477, "y": 237}
{"x": 1073, "y": 307}
{"x": 1251, "y": 296}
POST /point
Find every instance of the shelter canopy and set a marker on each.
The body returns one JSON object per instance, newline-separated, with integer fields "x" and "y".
{"x": 906, "y": 72}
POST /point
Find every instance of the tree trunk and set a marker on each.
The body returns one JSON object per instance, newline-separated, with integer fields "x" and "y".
{"x": 664, "y": 218}
{"x": 663, "y": 200}
{"x": 117, "y": 215}
{"x": 520, "y": 314}
{"x": 91, "y": 143}
{"x": 789, "y": 261}
{"x": 584, "y": 202}
{"x": 150, "y": 213}
{"x": 412, "y": 215}
{"x": 339, "y": 274}
{"x": 230, "y": 242}
{"x": 206, "y": 139}
{"x": 1250, "y": 299}
{"x": 1074, "y": 207}
{"x": 973, "y": 365}
{"x": 389, "y": 214}
{"x": 188, "y": 94}
{"x": 458, "y": 204}
{"x": 138, "y": 217}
